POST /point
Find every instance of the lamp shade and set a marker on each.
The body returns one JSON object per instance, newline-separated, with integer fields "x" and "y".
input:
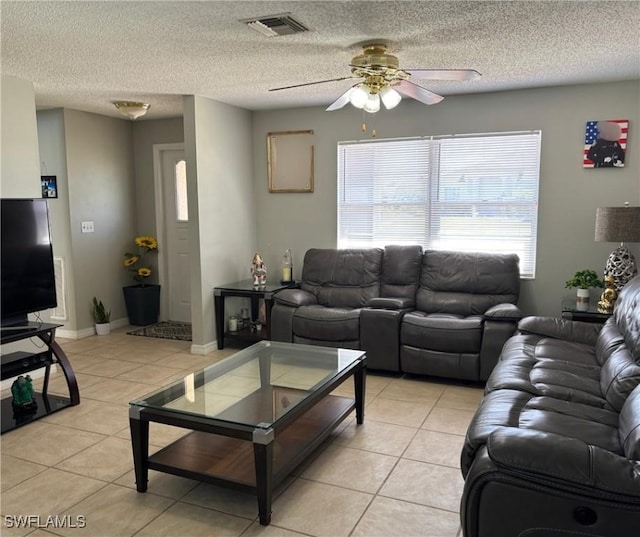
{"x": 373, "y": 103}
{"x": 390, "y": 97}
{"x": 618, "y": 224}
{"x": 358, "y": 97}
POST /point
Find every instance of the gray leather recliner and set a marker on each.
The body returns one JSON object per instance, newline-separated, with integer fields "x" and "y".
{"x": 465, "y": 311}
{"x": 336, "y": 285}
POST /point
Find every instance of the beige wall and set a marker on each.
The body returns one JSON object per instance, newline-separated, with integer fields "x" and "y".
{"x": 569, "y": 194}
{"x": 222, "y": 223}
{"x": 20, "y": 164}
{"x": 101, "y": 189}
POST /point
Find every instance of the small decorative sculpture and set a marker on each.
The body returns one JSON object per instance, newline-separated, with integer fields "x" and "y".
{"x": 22, "y": 394}
{"x": 259, "y": 271}
{"x": 609, "y": 295}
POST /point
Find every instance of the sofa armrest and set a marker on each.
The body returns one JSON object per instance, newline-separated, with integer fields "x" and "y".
{"x": 295, "y": 298}
{"x": 391, "y": 303}
{"x": 503, "y": 312}
{"x": 561, "y": 459}
{"x": 575, "y": 331}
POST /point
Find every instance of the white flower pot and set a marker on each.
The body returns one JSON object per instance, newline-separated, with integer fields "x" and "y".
{"x": 103, "y": 329}
{"x": 582, "y": 299}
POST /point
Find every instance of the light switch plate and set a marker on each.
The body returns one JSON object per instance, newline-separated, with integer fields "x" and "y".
{"x": 86, "y": 227}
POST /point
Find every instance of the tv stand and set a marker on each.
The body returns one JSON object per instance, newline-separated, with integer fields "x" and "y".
{"x": 7, "y": 331}
{"x": 21, "y": 363}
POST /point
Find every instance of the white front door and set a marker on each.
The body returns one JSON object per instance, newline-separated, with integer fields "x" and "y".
{"x": 176, "y": 217}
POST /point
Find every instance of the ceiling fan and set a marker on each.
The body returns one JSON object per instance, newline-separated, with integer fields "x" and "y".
{"x": 383, "y": 81}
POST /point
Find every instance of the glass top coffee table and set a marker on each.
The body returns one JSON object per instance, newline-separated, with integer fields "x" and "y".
{"x": 254, "y": 416}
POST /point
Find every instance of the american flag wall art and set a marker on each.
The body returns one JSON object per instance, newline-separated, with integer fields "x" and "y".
{"x": 605, "y": 143}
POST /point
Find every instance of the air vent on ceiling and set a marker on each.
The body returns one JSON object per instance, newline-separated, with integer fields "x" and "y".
{"x": 274, "y": 25}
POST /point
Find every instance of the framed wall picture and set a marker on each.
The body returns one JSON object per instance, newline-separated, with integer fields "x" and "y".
{"x": 49, "y": 186}
{"x": 290, "y": 161}
{"x": 605, "y": 143}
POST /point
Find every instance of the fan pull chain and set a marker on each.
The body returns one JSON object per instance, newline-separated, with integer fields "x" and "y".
{"x": 364, "y": 125}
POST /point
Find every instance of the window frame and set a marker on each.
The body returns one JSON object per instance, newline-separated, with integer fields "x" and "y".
{"x": 490, "y": 216}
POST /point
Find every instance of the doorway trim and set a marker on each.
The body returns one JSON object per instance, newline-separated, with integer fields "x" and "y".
{"x": 161, "y": 224}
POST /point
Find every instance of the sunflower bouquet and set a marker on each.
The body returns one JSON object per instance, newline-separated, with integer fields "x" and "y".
{"x": 136, "y": 262}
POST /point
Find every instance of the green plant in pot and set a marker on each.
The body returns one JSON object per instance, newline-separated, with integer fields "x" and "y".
{"x": 101, "y": 317}
{"x": 583, "y": 280}
{"x": 142, "y": 299}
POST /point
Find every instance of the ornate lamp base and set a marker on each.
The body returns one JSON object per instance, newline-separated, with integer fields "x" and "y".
{"x": 621, "y": 265}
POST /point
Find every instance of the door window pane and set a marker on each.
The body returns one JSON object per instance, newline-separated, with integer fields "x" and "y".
{"x": 182, "y": 209}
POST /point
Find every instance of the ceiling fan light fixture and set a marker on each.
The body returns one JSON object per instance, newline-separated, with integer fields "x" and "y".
{"x": 358, "y": 96}
{"x": 373, "y": 103}
{"x": 390, "y": 97}
{"x": 131, "y": 109}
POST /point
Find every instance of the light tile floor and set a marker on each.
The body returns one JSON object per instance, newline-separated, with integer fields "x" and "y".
{"x": 395, "y": 475}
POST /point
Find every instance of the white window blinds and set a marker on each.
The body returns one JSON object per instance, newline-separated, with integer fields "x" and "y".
{"x": 469, "y": 193}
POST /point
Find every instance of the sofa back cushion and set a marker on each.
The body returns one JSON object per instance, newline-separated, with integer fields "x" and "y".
{"x": 400, "y": 271}
{"x": 626, "y": 315}
{"x": 342, "y": 278}
{"x": 608, "y": 341}
{"x": 629, "y": 425}
{"x": 619, "y": 376}
{"x": 467, "y": 283}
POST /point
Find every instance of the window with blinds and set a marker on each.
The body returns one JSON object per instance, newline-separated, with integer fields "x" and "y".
{"x": 468, "y": 193}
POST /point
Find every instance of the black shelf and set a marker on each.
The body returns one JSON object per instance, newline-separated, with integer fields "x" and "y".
{"x": 20, "y": 363}
{"x": 46, "y": 405}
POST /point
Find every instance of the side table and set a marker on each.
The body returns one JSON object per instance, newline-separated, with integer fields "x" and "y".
{"x": 590, "y": 315}
{"x": 245, "y": 288}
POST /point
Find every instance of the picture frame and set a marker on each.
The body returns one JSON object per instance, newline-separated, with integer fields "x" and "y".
{"x": 605, "y": 143}
{"x": 49, "y": 186}
{"x": 290, "y": 161}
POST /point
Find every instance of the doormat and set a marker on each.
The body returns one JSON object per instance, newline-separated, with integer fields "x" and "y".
{"x": 166, "y": 330}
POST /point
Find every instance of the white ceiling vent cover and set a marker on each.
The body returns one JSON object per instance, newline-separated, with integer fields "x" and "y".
{"x": 275, "y": 25}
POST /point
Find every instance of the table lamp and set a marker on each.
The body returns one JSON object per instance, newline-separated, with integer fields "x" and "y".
{"x": 619, "y": 224}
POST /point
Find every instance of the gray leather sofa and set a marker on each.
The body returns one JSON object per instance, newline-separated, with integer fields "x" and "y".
{"x": 554, "y": 448}
{"x": 434, "y": 312}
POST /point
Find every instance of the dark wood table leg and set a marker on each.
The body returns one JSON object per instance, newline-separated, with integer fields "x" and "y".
{"x": 140, "y": 444}
{"x": 360, "y": 381}
{"x": 218, "y": 306}
{"x": 263, "y": 458}
{"x": 268, "y": 305}
{"x": 65, "y": 365}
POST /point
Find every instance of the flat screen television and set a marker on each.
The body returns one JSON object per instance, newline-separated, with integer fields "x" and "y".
{"x": 28, "y": 281}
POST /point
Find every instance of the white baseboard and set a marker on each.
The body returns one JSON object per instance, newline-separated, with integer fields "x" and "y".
{"x": 204, "y": 349}
{"x": 88, "y": 332}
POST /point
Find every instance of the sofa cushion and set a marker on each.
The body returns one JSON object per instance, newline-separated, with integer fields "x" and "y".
{"x": 342, "y": 278}
{"x": 619, "y": 377}
{"x": 629, "y": 425}
{"x": 442, "y": 332}
{"x": 466, "y": 283}
{"x": 320, "y": 323}
{"x": 547, "y": 367}
{"x": 595, "y": 426}
{"x": 400, "y": 271}
{"x": 626, "y": 317}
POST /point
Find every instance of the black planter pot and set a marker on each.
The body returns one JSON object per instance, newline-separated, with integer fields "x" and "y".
{"x": 143, "y": 303}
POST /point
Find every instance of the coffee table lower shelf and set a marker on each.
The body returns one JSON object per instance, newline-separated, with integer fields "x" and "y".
{"x": 232, "y": 462}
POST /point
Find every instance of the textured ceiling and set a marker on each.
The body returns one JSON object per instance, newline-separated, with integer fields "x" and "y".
{"x": 84, "y": 55}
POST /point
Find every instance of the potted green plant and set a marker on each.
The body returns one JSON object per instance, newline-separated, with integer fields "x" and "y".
{"x": 142, "y": 299}
{"x": 583, "y": 280}
{"x": 101, "y": 317}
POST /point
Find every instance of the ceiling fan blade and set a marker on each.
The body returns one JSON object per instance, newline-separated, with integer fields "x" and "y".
{"x": 443, "y": 74}
{"x": 340, "y": 101}
{"x": 409, "y": 89}
{"x": 312, "y": 83}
